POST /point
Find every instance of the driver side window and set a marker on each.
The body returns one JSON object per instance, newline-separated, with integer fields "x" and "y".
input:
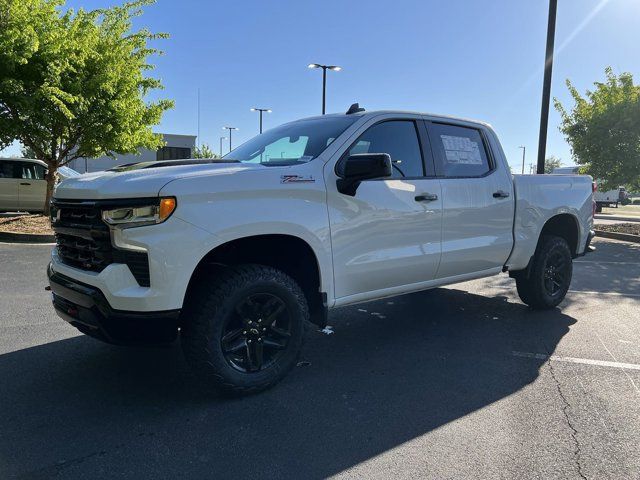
{"x": 398, "y": 138}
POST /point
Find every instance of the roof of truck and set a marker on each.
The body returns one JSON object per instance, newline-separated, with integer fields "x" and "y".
{"x": 374, "y": 113}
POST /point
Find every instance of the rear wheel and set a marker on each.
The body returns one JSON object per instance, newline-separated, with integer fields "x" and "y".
{"x": 244, "y": 331}
{"x": 550, "y": 275}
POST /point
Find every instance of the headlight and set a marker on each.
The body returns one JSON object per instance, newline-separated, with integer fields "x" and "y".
{"x": 139, "y": 215}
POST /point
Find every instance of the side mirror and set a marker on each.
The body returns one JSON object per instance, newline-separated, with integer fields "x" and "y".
{"x": 361, "y": 166}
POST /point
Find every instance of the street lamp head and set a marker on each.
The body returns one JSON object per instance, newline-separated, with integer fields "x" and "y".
{"x": 230, "y": 128}
{"x": 313, "y": 65}
{"x": 254, "y": 109}
{"x": 335, "y": 68}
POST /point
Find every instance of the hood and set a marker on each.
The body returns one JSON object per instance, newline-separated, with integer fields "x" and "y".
{"x": 143, "y": 182}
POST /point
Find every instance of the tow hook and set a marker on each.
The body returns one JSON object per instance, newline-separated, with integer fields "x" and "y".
{"x": 48, "y": 288}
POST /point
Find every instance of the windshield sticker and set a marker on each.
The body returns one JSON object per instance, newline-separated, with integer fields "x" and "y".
{"x": 297, "y": 179}
{"x": 461, "y": 150}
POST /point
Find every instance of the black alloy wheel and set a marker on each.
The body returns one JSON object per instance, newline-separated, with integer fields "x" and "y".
{"x": 257, "y": 332}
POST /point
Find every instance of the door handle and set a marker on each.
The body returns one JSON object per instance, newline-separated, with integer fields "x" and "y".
{"x": 426, "y": 197}
{"x": 24, "y": 183}
{"x": 500, "y": 194}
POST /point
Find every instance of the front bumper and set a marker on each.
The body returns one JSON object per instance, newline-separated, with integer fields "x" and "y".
{"x": 86, "y": 308}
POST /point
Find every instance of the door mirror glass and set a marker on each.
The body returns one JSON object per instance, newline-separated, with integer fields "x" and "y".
{"x": 361, "y": 166}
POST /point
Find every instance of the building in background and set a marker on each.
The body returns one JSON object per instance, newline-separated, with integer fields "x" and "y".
{"x": 176, "y": 147}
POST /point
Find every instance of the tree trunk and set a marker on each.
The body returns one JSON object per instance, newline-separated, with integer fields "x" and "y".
{"x": 51, "y": 183}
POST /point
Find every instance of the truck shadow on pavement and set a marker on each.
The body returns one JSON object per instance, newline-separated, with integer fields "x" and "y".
{"x": 393, "y": 370}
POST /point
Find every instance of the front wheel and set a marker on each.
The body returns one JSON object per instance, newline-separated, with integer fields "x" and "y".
{"x": 244, "y": 330}
{"x": 550, "y": 275}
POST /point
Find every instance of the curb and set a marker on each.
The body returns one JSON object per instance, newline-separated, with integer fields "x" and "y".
{"x": 10, "y": 237}
{"x": 627, "y": 237}
{"x": 617, "y": 218}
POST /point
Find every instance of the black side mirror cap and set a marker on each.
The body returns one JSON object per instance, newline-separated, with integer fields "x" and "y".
{"x": 361, "y": 166}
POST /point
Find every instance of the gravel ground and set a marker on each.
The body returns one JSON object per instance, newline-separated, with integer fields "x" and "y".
{"x": 34, "y": 224}
{"x": 632, "y": 228}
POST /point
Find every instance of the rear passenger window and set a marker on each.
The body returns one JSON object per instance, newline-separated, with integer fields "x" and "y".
{"x": 399, "y": 139}
{"x": 7, "y": 170}
{"x": 459, "y": 151}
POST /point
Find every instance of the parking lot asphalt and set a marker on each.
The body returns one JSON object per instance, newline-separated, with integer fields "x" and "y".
{"x": 456, "y": 382}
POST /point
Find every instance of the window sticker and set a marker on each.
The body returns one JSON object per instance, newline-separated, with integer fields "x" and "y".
{"x": 461, "y": 150}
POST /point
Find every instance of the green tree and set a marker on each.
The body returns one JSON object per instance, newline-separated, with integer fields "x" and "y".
{"x": 603, "y": 129}
{"x": 73, "y": 84}
{"x": 204, "y": 151}
{"x": 27, "y": 152}
{"x": 551, "y": 163}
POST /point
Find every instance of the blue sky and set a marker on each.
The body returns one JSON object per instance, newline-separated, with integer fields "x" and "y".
{"x": 476, "y": 59}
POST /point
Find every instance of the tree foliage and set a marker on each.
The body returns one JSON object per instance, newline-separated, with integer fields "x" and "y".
{"x": 73, "y": 84}
{"x": 551, "y": 163}
{"x": 603, "y": 129}
{"x": 204, "y": 151}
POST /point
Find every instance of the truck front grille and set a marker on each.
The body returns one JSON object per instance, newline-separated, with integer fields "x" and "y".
{"x": 84, "y": 241}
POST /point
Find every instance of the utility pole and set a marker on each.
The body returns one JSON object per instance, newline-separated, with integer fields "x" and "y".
{"x": 524, "y": 151}
{"x": 260, "y": 111}
{"x": 221, "y": 139}
{"x": 231, "y": 129}
{"x": 324, "y": 68}
{"x": 546, "y": 86}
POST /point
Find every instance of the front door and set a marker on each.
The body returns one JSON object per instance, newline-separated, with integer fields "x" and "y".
{"x": 32, "y": 186}
{"x": 478, "y": 203}
{"x": 8, "y": 186}
{"x": 388, "y": 234}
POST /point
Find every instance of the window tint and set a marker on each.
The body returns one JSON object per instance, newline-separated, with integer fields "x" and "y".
{"x": 399, "y": 139}
{"x": 7, "y": 170}
{"x": 459, "y": 151}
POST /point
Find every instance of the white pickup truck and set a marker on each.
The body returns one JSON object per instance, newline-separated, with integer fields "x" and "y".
{"x": 236, "y": 254}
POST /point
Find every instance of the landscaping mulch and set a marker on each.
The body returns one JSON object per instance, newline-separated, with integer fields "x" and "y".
{"x": 629, "y": 228}
{"x": 31, "y": 224}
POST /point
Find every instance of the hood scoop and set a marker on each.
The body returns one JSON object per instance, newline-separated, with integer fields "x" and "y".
{"x": 169, "y": 163}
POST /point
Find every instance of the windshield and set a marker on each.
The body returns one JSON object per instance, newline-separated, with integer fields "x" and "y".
{"x": 296, "y": 142}
{"x": 67, "y": 172}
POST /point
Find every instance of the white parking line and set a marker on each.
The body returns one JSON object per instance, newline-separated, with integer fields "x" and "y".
{"x": 617, "y": 294}
{"x": 583, "y": 361}
{"x": 606, "y": 263}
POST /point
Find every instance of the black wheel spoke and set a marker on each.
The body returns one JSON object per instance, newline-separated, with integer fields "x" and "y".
{"x": 272, "y": 343}
{"x": 255, "y": 356}
{"x": 279, "y": 333}
{"x": 234, "y": 346}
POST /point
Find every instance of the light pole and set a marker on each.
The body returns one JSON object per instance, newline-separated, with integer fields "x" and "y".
{"x": 524, "y": 151}
{"x": 221, "y": 139}
{"x": 260, "y": 111}
{"x": 546, "y": 85}
{"x": 324, "y": 68}
{"x": 231, "y": 129}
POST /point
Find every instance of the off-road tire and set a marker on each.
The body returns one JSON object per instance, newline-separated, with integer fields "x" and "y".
{"x": 208, "y": 310}
{"x": 532, "y": 289}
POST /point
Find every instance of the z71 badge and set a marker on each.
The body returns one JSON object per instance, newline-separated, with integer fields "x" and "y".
{"x": 297, "y": 179}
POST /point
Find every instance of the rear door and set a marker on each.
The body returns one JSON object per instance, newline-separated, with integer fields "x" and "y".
{"x": 477, "y": 196}
{"x": 32, "y": 187}
{"x": 9, "y": 185}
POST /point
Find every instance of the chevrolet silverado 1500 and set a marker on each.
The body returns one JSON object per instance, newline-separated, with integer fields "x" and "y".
{"x": 236, "y": 254}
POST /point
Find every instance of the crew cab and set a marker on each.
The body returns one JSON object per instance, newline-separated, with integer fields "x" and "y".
{"x": 235, "y": 254}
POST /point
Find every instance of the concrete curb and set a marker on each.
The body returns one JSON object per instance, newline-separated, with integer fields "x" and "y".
{"x": 627, "y": 237}
{"x": 10, "y": 237}
{"x": 617, "y": 218}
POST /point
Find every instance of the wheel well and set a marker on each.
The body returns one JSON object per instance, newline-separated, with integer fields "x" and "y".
{"x": 287, "y": 253}
{"x": 565, "y": 226}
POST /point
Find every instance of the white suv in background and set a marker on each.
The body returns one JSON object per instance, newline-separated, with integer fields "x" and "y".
{"x": 23, "y": 186}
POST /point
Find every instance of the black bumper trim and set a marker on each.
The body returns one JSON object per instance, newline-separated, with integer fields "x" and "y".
{"x": 86, "y": 308}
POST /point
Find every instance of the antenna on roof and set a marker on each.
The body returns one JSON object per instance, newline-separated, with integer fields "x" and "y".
{"x": 354, "y": 108}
